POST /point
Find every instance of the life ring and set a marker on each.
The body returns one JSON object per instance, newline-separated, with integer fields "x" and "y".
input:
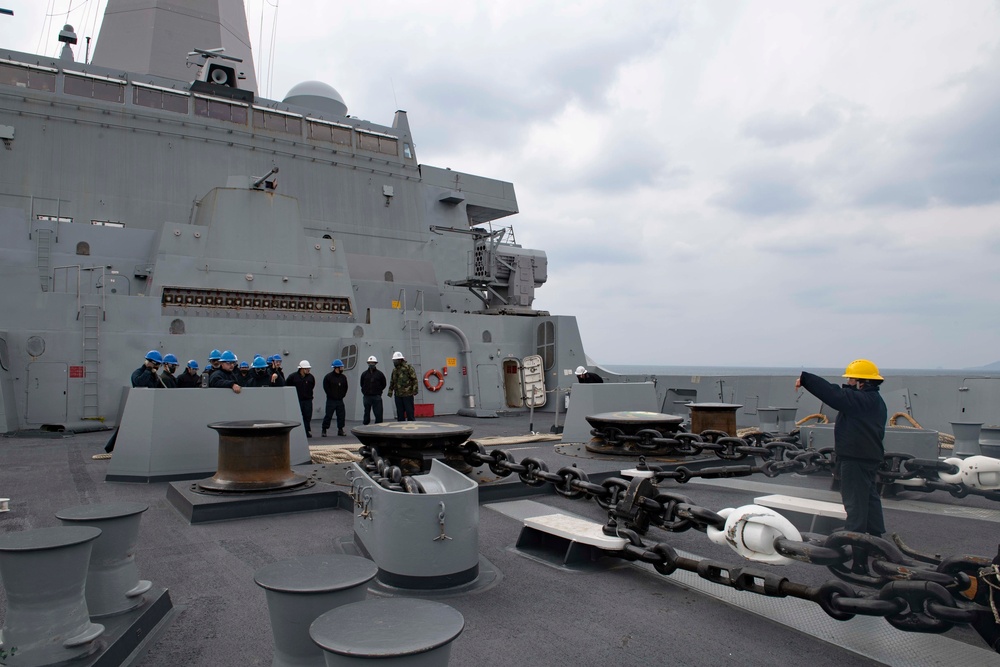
{"x": 427, "y": 379}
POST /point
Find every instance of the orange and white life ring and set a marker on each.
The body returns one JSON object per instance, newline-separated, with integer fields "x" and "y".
{"x": 427, "y": 379}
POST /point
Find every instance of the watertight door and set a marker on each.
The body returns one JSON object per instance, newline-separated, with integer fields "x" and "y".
{"x": 534, "y": 381}
{"x": 47, "y": 385}
{"x": 512, "y": 391}
{"x": 489, "y": 386}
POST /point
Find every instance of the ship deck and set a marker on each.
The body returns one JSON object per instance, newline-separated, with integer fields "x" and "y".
{"x": 534, "y": 613}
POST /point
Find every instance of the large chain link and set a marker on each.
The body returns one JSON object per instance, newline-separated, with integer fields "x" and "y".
{"x": 784, "y": 454}
{"x": 911, "y": 605}
{"x": 916, "y": 594}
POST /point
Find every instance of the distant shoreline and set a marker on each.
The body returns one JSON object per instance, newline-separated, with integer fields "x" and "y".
{"x": 641, "y": 369}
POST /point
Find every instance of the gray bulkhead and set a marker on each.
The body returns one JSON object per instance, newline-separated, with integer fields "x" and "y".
{"x": 123, "y": 195}
{"x": 117, "y": 203}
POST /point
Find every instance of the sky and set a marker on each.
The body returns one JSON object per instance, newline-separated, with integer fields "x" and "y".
{"x": 725, "y": 183}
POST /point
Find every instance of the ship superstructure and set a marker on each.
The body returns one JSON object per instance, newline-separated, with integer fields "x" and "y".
{"x": 147, "y": 212}
{"x": 151, "y": 199}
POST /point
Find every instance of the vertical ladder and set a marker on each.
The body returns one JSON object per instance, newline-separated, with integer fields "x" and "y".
{"x": 413, "y": 330}
{"x": 91, "y": 359}
{"x": 44, "y": 240}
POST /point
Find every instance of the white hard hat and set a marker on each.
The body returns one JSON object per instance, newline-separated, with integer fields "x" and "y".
{"x": 372, "y": 360}
{"x": 304, "y": 364}
{"x": 580, "y": 370}
{"x": 397, "y": 355}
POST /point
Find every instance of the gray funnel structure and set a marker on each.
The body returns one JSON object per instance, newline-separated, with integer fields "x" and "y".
{"x": 155, "y": 36}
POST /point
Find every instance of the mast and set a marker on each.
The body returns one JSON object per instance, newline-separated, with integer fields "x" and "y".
{"x": 155, "y": 36}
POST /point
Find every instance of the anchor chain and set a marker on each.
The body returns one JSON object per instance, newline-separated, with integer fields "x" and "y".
{"x": 911, "y": 595}
{"x": 779, "y": 455}
{"x": 910, "y": 605}
{"x": 915, "y": 594}
{"x": 977, "y": 475}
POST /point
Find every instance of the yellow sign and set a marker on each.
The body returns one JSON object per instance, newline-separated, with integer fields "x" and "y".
{"x": 396, "y": 304}
{"x": 451, "y": 362}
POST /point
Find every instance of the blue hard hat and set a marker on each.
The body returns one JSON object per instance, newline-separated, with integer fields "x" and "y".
{"x": 259, "y": 363}
{"x": 258, "y": 356}
{"x": 337, "y": 363}
{"x": 169, "y": 359}
{"x": 154, "y": 356}
{"x": 244, "y": 365}
{"x": 228, "y": 356}
{"x": 214, "y": 355}
{"x": 276, "y": 357}
{"x": 193, "y": 364}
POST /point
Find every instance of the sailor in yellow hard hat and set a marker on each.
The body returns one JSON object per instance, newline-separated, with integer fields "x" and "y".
{"x": 858, "y": 435}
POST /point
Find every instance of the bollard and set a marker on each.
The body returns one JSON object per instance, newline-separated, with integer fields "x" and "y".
{"x": 44, "y": 572}
{"x": 966, "y": 438}
{"x": 989, "y": 441}
{"x": 786, "y": 420}
{"x": 253, "y": 456}
{"x": 714, "y": 417}
{"x": 299, "y": 590}
{"x": 113, "y": 584}
{"x": 401, "y": 632}
{"x": 768, "y": 419}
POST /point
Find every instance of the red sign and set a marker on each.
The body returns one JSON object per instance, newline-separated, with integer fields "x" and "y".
{"x": 464, "y": 371}
{"x": 77, "y": 371}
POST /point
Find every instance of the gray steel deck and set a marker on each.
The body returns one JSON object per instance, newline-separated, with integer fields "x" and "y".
{"x": 536, "y": 614}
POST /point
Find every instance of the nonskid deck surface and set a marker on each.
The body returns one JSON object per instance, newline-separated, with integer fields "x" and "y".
{"x": 536, "y": 614}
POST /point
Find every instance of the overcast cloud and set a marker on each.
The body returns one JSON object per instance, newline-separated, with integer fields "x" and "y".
{"x": 771, "y": 183}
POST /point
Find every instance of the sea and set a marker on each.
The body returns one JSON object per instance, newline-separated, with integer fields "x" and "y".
{"x": 779, "y": 371}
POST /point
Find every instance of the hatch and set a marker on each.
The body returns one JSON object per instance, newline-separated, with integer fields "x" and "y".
{"x": 533, "y": 375}
{"x": 47, "y": 386}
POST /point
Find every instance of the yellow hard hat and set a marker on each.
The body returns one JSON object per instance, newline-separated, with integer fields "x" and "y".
{"x": 862, "y": 369}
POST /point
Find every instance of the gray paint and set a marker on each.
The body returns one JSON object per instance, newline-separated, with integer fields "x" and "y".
{"x": 43, "y": 572}
{"x": 113, "y": 584}
{"x": 592, "y": 399}
{"x": 154, "y": 36}
{"x": 400, "y": 530}
{"x": 164, "y": 433}
{"x": 178, "y": 182}
{"x": 920, "y": 443}
{"x": 300, "y": 590}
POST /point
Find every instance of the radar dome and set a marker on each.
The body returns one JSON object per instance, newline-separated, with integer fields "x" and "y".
{"x": 318, "y": 96}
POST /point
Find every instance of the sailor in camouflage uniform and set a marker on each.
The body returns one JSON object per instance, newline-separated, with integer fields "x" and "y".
{"x": 403, "y": 383}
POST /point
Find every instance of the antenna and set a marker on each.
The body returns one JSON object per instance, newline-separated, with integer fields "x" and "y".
{"x": 217, "y": 52}
{"x": 270, "y": 185}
